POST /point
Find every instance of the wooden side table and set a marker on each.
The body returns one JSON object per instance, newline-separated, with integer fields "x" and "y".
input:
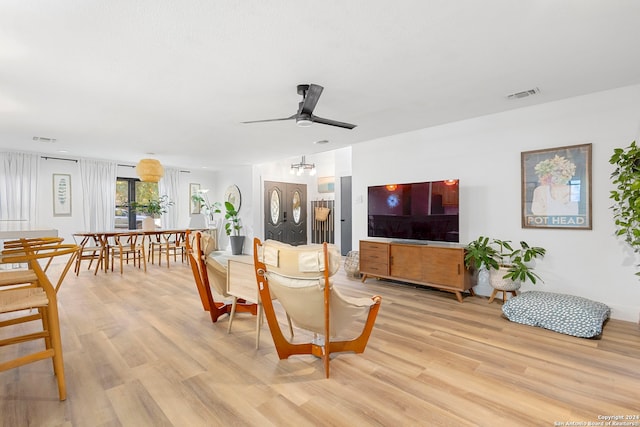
{"x": 241, "y": 284}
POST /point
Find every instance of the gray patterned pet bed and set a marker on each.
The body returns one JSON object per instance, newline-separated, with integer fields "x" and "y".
{"x": 567, "y": 314}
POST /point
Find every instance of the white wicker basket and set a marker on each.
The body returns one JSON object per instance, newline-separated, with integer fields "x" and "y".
{"x": 498, "y": 282}
{"x": 352, "y": 264}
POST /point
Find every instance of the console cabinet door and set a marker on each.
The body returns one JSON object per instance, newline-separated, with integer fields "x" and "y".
{"x": 444, "y": 266}
{"x": 406, "y": 262}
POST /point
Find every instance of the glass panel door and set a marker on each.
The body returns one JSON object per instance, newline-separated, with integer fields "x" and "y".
{"x": 129, "y": 190}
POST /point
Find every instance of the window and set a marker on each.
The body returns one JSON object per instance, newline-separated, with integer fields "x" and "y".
{"x": 127, "y": 191}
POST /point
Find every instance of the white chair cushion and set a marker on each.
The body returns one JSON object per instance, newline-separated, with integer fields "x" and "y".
{"x": 300, "y": 262}
{"x": 207, "y": 244}
{"x": 303, "y": 300}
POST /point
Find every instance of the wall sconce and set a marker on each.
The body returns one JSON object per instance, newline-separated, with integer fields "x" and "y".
{"x": 299, "y": 168}
{"x": 149, "y": 170}
{"x": 391, "y": 187}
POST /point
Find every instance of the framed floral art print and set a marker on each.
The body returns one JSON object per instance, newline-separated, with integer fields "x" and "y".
{"x": 556, "y": 188}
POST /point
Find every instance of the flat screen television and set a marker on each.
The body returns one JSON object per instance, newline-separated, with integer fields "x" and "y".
{"x": 422, "y": 211}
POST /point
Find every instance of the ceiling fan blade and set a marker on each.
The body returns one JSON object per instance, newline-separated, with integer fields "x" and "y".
{"x": 330, "y": 122}
{"x": 271, "y": 120}
{"x": 311, "y": 99}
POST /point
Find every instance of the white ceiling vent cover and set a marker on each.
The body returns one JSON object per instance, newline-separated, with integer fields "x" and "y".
{"x": 524, "y": 94}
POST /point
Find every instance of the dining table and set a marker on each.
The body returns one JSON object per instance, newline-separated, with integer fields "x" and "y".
{"x": 102, "y": 238}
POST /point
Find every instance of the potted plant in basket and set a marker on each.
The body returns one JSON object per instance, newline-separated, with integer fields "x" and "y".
{"x": 153, "y": 209}
{"x": 508, "y": 267}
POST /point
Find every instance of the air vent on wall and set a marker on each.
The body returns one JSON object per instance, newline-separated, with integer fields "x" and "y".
{"x": 43, "y": 139}
{"x": 524, "y": 94}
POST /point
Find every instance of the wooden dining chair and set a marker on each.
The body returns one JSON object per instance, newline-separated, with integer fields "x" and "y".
{"x": 24, "y": 290}
{"x": 37, "y": 244}
{"x": 154, "y": 247}
{"x": 167, "y": 244}
{"x": 90, "y": 249}
{"x": 128, "y": 247}
{"x": 299, "y": 277}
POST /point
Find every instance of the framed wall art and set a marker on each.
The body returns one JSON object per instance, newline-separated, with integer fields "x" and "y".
{"x": 61, "y": 194}
{"x": 194, "y": 207}
{"x": 556, "y": 188}
{"x": 326, "y": 184}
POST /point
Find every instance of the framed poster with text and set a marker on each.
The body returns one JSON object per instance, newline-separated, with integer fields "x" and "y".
{"x": 556, "y": 188}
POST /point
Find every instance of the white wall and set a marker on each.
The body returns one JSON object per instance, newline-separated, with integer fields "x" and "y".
{"x": 484, "y": 153}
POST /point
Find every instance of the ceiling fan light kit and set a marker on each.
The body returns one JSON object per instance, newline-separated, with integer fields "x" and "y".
{"x": 304, "y": 116}
{"x": 304, "y": 122}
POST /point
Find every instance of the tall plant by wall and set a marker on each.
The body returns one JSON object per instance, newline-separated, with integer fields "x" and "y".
{"x": 626, "y": 209}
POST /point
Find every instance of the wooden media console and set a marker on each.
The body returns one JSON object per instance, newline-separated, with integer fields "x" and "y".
{"x": 436, "y": 266}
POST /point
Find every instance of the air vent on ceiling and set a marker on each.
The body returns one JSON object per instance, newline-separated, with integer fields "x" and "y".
{"x": 43, "y": 139}
{"x": 524, "y": 93}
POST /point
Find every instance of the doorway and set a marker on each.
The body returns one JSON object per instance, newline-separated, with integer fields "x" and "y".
{"x": 345, "y": 214}
{"x": 285, "y": 212}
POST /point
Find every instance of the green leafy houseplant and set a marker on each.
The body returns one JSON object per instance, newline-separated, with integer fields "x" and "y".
{"x": 626, "y": 196}
{"x": 232, "y": 227}
{"x": 496, "y": 253}
{"x": 153, "y": 208}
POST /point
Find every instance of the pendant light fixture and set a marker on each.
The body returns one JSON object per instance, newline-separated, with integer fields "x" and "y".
{"x": 299, "y": 168}
{"x": 149, "y": 170}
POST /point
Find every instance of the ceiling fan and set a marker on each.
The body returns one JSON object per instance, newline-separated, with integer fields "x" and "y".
{"x": 304, "y": 116}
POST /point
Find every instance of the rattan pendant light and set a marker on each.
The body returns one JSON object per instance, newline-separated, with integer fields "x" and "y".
{"x": 149, "y": 170}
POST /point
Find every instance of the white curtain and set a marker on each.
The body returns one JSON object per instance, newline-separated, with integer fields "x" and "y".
{"x": 99, "y": 194}
{"x": 170, "y": 185}
{"x": 18, "y": 187}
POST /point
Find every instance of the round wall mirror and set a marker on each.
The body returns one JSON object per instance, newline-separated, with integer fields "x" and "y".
{"x": 232, "y": 195}
{"x": 295, "y": 207}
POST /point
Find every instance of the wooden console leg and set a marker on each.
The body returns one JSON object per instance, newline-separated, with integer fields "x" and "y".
{"x": 364, "y": 277}
{"x": 459, "y": 296}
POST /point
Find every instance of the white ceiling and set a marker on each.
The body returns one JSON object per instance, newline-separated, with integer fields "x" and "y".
{"x": 117, "y": 79}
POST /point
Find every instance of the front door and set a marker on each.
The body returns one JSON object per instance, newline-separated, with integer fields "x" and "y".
{"x": 285, "y": 212}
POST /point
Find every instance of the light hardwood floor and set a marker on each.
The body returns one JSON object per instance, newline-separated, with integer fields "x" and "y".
{"x": 140, "y": 351}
